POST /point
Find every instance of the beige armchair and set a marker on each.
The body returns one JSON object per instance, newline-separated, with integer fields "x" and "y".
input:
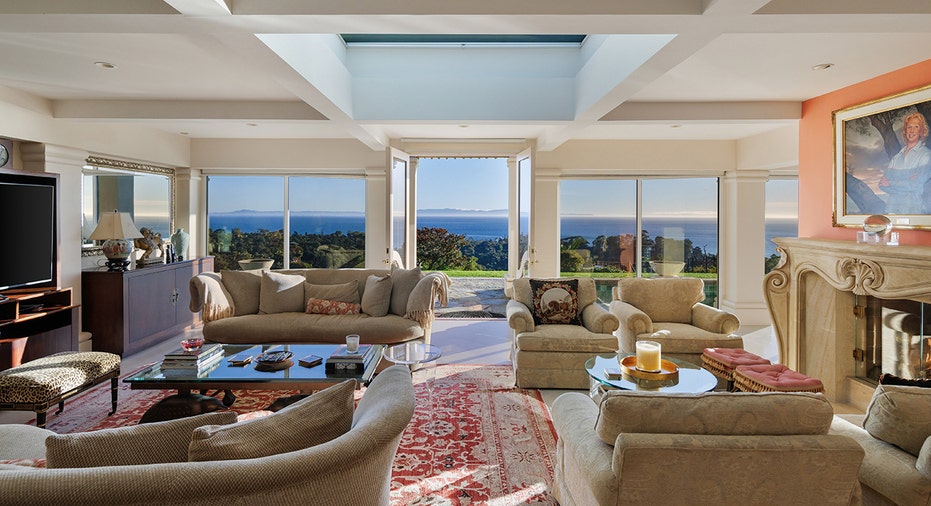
{"x": 669, "y": 311}
{"x": 553, "y": 355}
{"x": 714, "y": 448}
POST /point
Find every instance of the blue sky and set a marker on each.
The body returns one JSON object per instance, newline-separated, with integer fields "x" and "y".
{"x": 481, "y": 183}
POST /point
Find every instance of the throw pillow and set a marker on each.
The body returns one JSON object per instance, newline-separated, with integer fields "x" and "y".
{"x": 281, "y": 293}
{"x": 376, "y": 298}
{"x": 555, "y": 301}
{"x": 900, "y": 415}
{"x": 314, "y": 420}
{"x": 345, "y": 292}
{"x": 326, "y": 306}
{"x": 148, "y": 443}
{"x": 244, "y": 288}
{"x": 403, "y": 282}
{"x": 22, "y": 463}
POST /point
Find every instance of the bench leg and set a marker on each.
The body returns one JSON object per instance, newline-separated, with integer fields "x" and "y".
{"x": 40, "y": 419}
{"x": 61, "y": 407}
{"x": 114, "y": 389}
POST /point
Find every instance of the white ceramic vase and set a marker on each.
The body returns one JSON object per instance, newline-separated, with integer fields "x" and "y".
{"x": 180, "y": 241}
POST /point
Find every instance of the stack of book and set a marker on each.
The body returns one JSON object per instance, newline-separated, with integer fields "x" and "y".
{"x": 342, "y": 360}
{"x": 192, "y": 363}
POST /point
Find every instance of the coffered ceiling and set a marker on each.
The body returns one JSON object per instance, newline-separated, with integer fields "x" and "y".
{"x": 663, "y": 69}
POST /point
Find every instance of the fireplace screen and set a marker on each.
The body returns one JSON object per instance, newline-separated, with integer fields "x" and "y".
{"x": 894, "y": 336}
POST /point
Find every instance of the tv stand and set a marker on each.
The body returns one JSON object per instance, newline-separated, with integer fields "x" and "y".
{"x": 36, "y": 324}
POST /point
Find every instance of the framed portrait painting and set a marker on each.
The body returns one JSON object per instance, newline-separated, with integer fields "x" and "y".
{"x": 882, "y": 161}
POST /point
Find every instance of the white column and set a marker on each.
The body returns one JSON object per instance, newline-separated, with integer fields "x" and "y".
{"x": 191, "y": 209}
{"x": 376, "y": 224}
{"x": 544, "y": 221}
{"x": 412, "y": 214}
{"x": 67, "y": 162}
{"x": 743, "y": 245}
{"x": 513, "y": 217}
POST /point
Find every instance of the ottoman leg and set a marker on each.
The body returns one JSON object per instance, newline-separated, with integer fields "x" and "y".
{"x": 40, "y": 419}
{"x": 114, "y": 389}
{"x": 61, "y": 407}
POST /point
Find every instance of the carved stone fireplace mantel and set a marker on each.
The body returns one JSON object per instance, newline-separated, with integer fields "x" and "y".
{"x": 811, "y": 295}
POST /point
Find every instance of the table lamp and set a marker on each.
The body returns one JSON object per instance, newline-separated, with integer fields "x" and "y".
{"x": 117, "y": 231}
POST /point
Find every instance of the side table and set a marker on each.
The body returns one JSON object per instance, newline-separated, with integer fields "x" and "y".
{"x": 421, "y": 358}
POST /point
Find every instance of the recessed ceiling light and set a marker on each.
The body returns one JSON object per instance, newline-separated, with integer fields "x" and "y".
{"x": 105, "y": 64}
{"x": 183, "y": 133}
{"x": 252, "y": 124}
{"x": 463, "y": 126}
{"x": 822, "y": 66}
{"x": 675, "y": 126}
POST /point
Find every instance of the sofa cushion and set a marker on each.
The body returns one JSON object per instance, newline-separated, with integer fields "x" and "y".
{"x": 332, "y": 307}
{"x": 345, "y": 292}
{"x": 244, "y": 288}
{"x": 900, "y": 415}
{"x": 555, "y": 301}
{"x": 403, "y": 282}
{"x": 281, "y": 293}
{"x": 311, "y": 328}
{"x": 662, "y": 299}
{"x": 376, "y": 298}
{"x": 713, "y": 413}
{"x": 319, "y": 418}
{"x": 149, "y": 443}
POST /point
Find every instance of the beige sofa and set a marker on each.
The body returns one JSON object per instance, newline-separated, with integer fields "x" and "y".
{"x": 255, "y": 307}
{"x": 714, "y": 448}
{"x": 352, "y": 468}
{"x": 553, "y": 355}
{"x": 895, "y": 432}
{"x": 670, "y": 312}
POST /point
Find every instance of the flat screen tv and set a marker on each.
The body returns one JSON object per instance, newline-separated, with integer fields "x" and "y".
{"x": 28, "y": 230}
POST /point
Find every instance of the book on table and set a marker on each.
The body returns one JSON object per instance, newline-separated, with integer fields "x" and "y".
{"x": 192, "y": 370}
{"x": 205, "y": 351}
{"x": 202, "y": 360}
{"x": 341, "y": 359}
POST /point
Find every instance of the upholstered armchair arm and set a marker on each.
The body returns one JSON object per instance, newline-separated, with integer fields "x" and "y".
{"x": 631, "y": 323}
{"x": 209, "y": 296}
{"x": 599, "y": 320}
{"x": 519, "y": 317}
{"x": 585, "y": 458}
{"x": 714, "y": 320}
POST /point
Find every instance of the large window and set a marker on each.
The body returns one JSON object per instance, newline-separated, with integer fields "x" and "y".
{"x": 781, "y": 215}
{"x": 248, "y": 216}
{"x": 678, "y": 236}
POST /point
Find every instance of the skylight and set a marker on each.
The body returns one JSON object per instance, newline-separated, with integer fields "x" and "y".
{"x": 477, "y": 40}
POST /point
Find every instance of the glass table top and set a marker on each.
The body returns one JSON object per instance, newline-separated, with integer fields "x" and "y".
{"x": 412, "y": 353}
{"x": 223, "y": 371}
{"x": 692, "y": 378}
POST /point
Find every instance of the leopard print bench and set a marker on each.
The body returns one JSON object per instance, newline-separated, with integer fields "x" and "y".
{"x": 44, "y": 382}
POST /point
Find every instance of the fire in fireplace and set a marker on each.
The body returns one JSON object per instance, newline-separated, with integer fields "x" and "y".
{"x": 894, "y": 337}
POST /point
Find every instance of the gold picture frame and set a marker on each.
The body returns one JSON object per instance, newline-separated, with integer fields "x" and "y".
{"x": 874, "y": 173}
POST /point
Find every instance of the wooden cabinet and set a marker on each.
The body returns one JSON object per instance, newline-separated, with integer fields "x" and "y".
{"x": 36, "y": 324}
{"x": 129, "y": 311}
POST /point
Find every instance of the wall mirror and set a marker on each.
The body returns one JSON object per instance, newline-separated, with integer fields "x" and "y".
{"x": 146, "y": 192}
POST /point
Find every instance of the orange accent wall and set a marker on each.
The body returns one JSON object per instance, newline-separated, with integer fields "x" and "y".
{"x": 816, "y": 151}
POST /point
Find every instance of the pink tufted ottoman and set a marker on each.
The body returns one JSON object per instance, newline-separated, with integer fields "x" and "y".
{"x": 773, "y": 378}
{"x": 722, "y": 361}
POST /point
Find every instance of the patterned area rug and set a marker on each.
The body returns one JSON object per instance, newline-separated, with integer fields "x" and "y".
{"x": 474, "y": 438}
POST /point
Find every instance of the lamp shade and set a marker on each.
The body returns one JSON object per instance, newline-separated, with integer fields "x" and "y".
{"x": 115, "y": 225}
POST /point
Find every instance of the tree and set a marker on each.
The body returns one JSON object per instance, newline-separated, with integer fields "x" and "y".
{"x": 438, "y": 249}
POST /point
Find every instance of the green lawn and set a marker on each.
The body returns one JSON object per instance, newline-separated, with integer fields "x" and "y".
{"x": 604, "y": 275}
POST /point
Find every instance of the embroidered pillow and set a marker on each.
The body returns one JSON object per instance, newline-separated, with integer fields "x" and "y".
{"x": 326, "y": 306}
{"x": 555, "y": 301}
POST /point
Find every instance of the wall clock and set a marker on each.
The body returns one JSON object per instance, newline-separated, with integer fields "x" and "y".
{"x": 5, "y": 155}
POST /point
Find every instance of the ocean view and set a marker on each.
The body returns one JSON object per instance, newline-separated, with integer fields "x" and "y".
{"x": 483, "y": 226}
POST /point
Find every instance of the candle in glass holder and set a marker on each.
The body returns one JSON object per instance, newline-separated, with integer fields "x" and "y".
{"x": 648, "y": 356}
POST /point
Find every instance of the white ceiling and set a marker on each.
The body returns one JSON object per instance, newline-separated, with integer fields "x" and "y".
{"x": 664, "y": 69}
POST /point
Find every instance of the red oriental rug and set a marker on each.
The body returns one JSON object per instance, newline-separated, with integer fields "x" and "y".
{"x": 474, "y": 438}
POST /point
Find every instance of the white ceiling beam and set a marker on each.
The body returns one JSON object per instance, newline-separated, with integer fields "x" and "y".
{"x": 704, "y": 111}
{"x": 185, "y": 109}
{"x": 202, "y": 7}
{"x": 732, "y": 7}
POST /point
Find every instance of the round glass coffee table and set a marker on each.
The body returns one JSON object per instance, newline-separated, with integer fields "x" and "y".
{"x": 692, "y": 378}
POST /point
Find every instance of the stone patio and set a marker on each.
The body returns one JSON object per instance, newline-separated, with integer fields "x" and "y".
{"x": 474, "y": 295}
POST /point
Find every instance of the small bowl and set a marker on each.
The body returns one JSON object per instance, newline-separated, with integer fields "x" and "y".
{"x": 256, "y": 263}
{"x": 192, "y": 344}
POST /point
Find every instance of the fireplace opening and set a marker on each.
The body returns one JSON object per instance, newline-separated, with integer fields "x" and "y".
{"x": 894, "y": 337}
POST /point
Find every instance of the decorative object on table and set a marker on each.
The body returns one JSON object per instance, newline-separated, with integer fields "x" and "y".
{"x": 344, "y": 360}
{"x": 877, "y": 229}
{"x": 352, "y": 343}
{"x": 273, "y": 361}
{"x": 149, "y": 243}
{"x": 192, "y": 359}
{"x": 667, "y": 371}
{"x": 180, "y": 241}
{"x": 896, "y": 185}
{"x": 256, "y": 263}
{"x": 116, "y": 229}
{"x": 667, "y": 268}
{"x": 649, "y": 355}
